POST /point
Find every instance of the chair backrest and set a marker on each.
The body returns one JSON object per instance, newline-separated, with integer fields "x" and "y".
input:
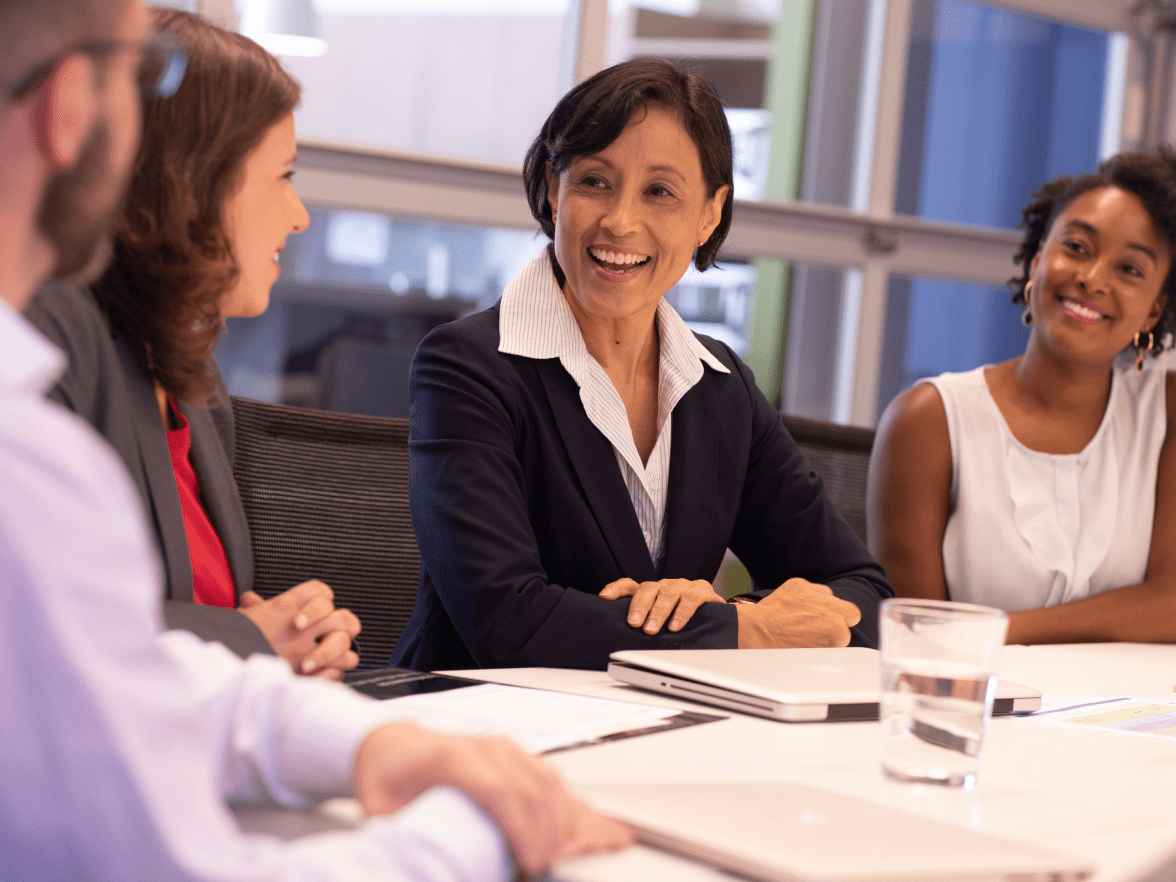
{"x": 326, "y": 497}
{"x": 841, "y": 456}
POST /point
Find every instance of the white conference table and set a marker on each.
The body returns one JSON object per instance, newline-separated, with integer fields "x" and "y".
{"x": 1105, "y": 797}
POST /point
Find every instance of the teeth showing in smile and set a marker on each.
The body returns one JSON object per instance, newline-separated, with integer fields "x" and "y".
{"x": 617, "y": 262}
{"x": 1081, "y": 310}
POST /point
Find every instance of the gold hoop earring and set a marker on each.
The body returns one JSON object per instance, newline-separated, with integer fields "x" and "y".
{"x": 1027, "y": 316}
{"x": 1141, "y": 350}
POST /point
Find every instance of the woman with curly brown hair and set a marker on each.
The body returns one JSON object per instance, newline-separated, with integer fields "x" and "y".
{"x": 209, "y": 208}
{"x": 1046, "y": 485}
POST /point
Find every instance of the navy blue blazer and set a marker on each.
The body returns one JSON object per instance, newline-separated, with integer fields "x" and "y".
{"x": 522, "y": 515}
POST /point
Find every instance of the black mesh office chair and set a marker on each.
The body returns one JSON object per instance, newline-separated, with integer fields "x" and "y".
{"x": 326, "y": 497}
{"x": 841, "y": 456}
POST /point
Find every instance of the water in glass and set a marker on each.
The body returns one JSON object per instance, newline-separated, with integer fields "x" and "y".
{"x": 933, "y": 719}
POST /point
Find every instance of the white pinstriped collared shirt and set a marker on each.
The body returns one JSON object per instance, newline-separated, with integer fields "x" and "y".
{"x": 535, "y": 321}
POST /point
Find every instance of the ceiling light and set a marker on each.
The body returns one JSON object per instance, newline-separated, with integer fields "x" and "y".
{"x": 283, "y": 27}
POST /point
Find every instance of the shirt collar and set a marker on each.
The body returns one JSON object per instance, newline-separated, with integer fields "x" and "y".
{"x": 30, "y": 363}
{"x": 535, "y": 321}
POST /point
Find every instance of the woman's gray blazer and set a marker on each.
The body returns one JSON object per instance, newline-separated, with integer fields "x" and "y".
{"x": 105, "y": 385}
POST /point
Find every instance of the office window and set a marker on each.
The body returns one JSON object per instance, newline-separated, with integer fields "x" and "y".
{"x": 934, "y": 325}
{"x": 718, "y": 302}
{"x": 996, "y": 103}
{"x": 472, "y": 79}
{"x": 993, "y": 102}
{"x": 818, "y": 312}
{"x": 907, "y": 132}
{"x": 730, "y": 42}
{"x": 358, "y": 292}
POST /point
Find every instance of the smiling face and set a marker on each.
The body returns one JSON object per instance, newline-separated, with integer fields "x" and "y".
{"x": 1098, "y": 275}
{"x": 259, "y": 216}
{"x": 627, "y": 219}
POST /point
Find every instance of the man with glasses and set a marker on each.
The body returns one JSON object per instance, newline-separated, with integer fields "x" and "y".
{"x": 119, "y": 744}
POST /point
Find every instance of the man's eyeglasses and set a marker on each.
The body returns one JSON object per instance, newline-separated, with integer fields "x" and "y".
{"x": 161, "y": 65}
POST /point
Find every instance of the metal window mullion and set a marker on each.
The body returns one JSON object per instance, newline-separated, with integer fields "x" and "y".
{"x": 1114, "y": 102}
{"x": 591, "y": 36}
{"x": 829, "y": 236}
{"x": 883, "y": 181}
{"x": 419, "y": 199}
{"x": 484, "y": 194}
{"x": 1134, "y": 96}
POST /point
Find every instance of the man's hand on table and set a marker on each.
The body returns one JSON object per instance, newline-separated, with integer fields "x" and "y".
{"x": 798, "y": 613}
{"x": 540, "y": 819}
{"x": 653, "y": 602}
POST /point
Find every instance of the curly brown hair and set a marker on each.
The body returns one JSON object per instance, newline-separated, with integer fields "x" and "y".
{"x": 593, "y": 114}
{"x": 1151, "y": 176}
{"x": 173, "y": 257}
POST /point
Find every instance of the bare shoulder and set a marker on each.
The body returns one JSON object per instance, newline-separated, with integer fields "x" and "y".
{"x": 915, "y": 416}
{"x": 908, "y": 491}
{"x": 911, "y": 461}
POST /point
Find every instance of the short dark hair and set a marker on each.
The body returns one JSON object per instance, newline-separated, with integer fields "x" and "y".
{"x": 593, "y": 114}
{"x": 1151, "y": 176}
{"x": 173, "y": 258}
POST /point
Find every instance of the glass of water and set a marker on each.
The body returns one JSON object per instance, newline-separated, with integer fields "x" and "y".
{"x": 939, "y": 662}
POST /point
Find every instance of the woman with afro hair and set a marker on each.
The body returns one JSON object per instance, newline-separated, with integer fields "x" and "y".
{"x": 1046, "y": 485}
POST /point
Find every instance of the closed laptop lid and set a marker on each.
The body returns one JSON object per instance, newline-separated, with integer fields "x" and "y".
{"x": 787, "y": 684}
{"x": 795, "y": 676}
{"x": 783, "y": 832}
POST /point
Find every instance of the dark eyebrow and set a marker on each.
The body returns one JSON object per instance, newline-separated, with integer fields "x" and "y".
{"x": 1138, "y": 246}
{"x": 1150, "y": 252}
{"x": 666, "y": 169}
{"x": 1082, "y": 225}
{"x": 663, "y": 169}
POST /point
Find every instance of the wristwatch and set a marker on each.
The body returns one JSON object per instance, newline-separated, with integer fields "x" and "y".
{"x": 741, "y": 600}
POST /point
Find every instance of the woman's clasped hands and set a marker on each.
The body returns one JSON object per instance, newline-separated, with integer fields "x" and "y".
{"x": 304, "y": 627}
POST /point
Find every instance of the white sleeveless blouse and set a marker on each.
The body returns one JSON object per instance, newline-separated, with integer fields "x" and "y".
{"x": 1028, "y": 529}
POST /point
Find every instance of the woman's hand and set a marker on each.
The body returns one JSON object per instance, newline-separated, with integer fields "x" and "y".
{"x": 303, "y": 627}
{"x": 540, "y": 819}
{"x": 798, "y": 613}
{"x": 653, "y": 602}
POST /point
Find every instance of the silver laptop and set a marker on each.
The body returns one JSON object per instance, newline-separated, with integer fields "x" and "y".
{"x": 792, "y": 685}
{"x": 781, "y": 832}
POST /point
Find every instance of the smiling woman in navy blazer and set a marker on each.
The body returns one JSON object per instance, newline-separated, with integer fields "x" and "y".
{"x": 580, "y": 461}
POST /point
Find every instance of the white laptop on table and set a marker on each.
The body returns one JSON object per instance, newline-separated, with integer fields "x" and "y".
{"x": 792, "y": 685}
{"x": 783, "y": 832}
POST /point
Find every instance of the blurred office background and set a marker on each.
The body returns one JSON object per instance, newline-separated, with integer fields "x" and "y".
{"x": 883, "y": 150}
